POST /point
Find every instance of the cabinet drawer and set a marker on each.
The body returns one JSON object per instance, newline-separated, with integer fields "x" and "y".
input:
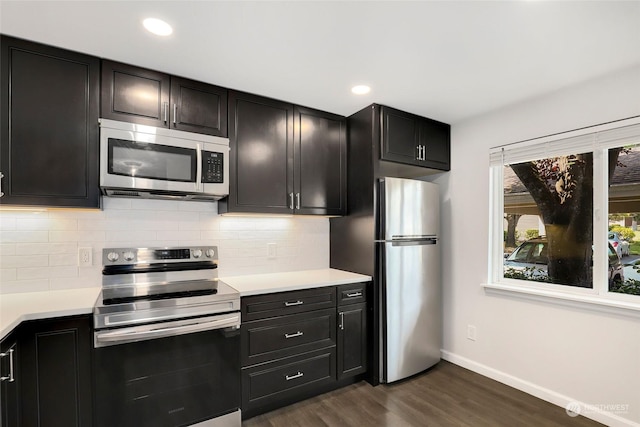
{"x": 352, "y": 293}
{"x": 268, "y": 383}
{"x": 269, "y": 339}
{"x": 279, "y": 304}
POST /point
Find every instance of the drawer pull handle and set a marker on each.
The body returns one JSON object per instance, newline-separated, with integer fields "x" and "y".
{"x": 355, "y": 294}
{"x": 292, "y": 303}
{"x": 293, "y": 377}
{"x": 297, "y": 334}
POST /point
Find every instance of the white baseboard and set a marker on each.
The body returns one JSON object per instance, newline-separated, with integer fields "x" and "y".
{"x": 596, "y": 414}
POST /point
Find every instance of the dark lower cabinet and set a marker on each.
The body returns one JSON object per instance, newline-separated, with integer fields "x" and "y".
{"x": 55, "y": 372}
{"x": 352, "y": 340}
{"x": 298, "y": 344}
{"x": 49, "y": 126}
{"x": 10, "y": 380}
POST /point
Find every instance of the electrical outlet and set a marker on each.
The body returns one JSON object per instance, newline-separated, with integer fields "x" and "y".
{"x": 471, "y": 332}
{"x": 85, "y": 257}
{"x": 271, "y": 250}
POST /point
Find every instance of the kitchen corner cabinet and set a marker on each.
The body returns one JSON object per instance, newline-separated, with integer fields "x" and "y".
{"x": 49, "y": 126}
{"x": 411, "y": 139}
{"x": 148, "y": 97}
{"x": 9, "y": 382}
{"x": 52, "y": 371}
{"x": 285, "y": 159}
{"x": 352, "y": 330}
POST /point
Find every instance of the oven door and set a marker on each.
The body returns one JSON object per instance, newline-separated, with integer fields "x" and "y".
{"x": 173, "y": 380}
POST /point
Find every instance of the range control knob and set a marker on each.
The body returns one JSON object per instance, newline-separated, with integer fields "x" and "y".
{"x": 197, "y": 253}
{"x": 129, "y": 256}
{"x": 210, "y": 253}
{"x": 113, "y": 256}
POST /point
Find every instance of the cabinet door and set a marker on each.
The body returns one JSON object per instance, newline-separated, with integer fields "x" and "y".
{"x": 352, "y": 340}
{"x": 261, "y": 160}
{"x": 400, "y": 133}
{"x": 135, "y": 95}
{"x": 9, "y": 385}
{"x": 56, "y": 373}
{"x": 435, "y": 137}
{"x": 49, "y": 131}
{"x": 198, "y": 107}
{"x": 320, "y": 162}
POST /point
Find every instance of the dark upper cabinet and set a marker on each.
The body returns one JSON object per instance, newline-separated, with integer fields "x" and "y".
{"x": 285, "y": 159}
{"x": 261, "y": 159}
{"x": 414, "y": 140}
{"x": 56, "y": 372}
{"x": 49, "y": 125}
{"x": 148, "y": 97}
{"x": 9, "y": 382}
{"x": 320, "y": 162}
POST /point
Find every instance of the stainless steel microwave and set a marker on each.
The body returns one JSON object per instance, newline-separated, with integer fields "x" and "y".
{"x": 148, "y": 162}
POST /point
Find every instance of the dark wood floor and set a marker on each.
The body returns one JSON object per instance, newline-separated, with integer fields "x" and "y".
{"x": 446, "y": 395}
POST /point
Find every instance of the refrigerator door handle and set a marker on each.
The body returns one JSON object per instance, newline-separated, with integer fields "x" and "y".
{"x": 413, "y": 242}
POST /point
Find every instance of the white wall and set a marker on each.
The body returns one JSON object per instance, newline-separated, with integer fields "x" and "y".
{"x": 555, "y": 352}
{"x": 39, "y": 250}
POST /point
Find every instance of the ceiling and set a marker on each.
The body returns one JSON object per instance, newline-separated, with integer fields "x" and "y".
{"x": 448, "y": 60}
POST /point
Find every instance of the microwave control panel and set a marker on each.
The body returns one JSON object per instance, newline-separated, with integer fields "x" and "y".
{"x": 212, "y": 169}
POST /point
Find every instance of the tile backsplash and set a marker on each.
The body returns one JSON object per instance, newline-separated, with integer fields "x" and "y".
{"x": 39, "y": 250}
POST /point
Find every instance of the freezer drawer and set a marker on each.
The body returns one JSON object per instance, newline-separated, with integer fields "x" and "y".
{"x": 412, "y": 319}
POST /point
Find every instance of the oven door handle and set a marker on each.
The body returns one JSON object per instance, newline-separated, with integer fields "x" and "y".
{"x": 167, "y": 329}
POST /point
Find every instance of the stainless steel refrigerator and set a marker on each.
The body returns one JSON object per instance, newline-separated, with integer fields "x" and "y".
{"x": 409, "y": 270}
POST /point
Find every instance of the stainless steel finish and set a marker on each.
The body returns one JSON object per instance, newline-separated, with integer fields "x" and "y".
{"x": 355, "y": 294}
{"x": 419, "y": 157}
{"x": 165, "y": 329}
{"x": 132, "y": 186}
{"x": 411, "y": 329}
{"x": 420, "y": 199}
{"x": 292, "y": 303}
{"x": 144, "y": 311}
{"x": 424, "y": 152}
{"x": 1, "y": 176}
{"x": 291, "y": 201}
{"x": 149, "y": 255}
{"x": 293, "y": 377}
{"x": 175, "y": 113}
{"x": 165, "y": 107}
{"x": 297, "y": 200}
{"x": 297, "y": 334}
{"x": 233, "y": 419}
{"x": 342, "y": 320}
{"x": 10, "y": 377}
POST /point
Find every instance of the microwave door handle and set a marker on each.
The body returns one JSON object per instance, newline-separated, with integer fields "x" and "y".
{"x": 199, "y": 168}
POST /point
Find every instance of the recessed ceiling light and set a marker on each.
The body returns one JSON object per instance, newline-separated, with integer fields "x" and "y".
{"x": 361, "y": 89}
{"x": 157, "y": 27}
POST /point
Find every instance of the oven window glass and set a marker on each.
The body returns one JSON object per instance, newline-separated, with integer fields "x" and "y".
{"x": 154, "y": 161}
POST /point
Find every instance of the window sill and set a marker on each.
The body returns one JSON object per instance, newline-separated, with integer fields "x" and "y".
{"x": 593, "y": 303}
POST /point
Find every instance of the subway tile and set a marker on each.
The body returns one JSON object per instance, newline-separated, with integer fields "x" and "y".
{"x": 23, "y": 236}
{"x": 91, "y": 224}
{"x": 19, "y": 261}
{"x": 64, "y": 259}
{"x": 178, "y": 234}
{"x": 209, "y": 207}
{"x": 72, "y": 283}
{"x": 7, "y": 222}
{"x": 19, "y": 286}
{"x": 7, "y": 249}
{"x": 154, "y": 205}
{"x": 131, "y": 235}
{"x": 45, "y": 273}
{"x": 110, "y": 203}
{"x": 7, "y": 274}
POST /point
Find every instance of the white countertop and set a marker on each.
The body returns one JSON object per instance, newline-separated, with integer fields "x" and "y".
{"x": 16, "y": 308}
{"x": 256, "y": 284}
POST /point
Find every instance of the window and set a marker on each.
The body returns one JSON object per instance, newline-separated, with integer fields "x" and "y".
{"x": 580, "y": 195}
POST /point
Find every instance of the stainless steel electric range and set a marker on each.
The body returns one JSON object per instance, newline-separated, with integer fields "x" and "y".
{"x": 167, "y": 349}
